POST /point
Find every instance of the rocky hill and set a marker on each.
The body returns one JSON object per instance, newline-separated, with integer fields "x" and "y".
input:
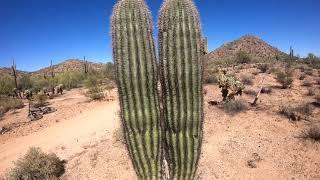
{"x": 255, "y": 47}
{"x": 70, "y": 65}
{"x": 8, "y": 71}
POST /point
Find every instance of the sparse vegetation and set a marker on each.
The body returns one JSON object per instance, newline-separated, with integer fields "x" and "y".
{"x": 250, "y": 92}
{"x": 313, "y": 133}
{"x": 266, "y": 90}
{"x": 311, "y": 92}
{"x": 284, "y": 78}
{"x": 263, "y": 67}
{"x": 234, "y": 106}
{"x": 307, "y": 83}
{"x": 40, "y": 100}
{"x": 95, "y": 91}
{"x": 247, "y": 79}
{"x": 302, "y": 76}
{"x": 8, "y": 103}
{"x": 243, "y": 58}
{"x": 37, "y": 165}
{"x": 6, "y": 84}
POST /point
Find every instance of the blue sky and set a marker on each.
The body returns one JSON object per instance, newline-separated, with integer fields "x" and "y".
{"x": 35, "y": 31}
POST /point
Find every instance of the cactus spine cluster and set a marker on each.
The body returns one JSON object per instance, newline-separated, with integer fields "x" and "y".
{"x": 135, "y": 61}
{"x": 181, "y": 51}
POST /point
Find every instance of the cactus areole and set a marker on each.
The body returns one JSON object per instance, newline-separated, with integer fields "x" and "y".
{"x": 180, "y": 53}
{"x": 135, "y": 60}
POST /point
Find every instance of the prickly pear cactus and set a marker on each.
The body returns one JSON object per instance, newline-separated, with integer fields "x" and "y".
{"x": 135, "y": 61}
{"x": 181, "y": 50}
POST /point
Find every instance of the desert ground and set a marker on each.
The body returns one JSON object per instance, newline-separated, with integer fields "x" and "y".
{"x": 257, "y": 143}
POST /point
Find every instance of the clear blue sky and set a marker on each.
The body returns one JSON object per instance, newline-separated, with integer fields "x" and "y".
{"x": 35, "y": 31}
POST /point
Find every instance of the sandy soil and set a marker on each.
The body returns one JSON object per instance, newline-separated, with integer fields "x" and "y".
{"x": 254, "y": 144}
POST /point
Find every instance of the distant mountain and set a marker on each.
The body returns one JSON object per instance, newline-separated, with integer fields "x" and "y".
{"x": 8, "y": 71}
{"x": 255, "y": 47}
{"x": 70, "y": 65}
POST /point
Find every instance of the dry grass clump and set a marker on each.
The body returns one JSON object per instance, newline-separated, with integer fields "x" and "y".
{"x": 250, "y": 92}
{"x": 284, "y": 78}
{"x": 247, "y": 79}
{"x": 40, "y": 100}
{"x": 311, "y": 92}
{"x": 8, "y": 103}
{"x": 307, "y": 83}
{"x": 234, "y": 106}
{"x": 210, "y": 78}
{"x": 263, "y": 67}
{"x": 36, "y": 164}
{"x": 266, "y": 90}
{"x": 318, "y": 81}
{"x": 302, "y": 76}
{"x": 312, "y": 133}
{"x": 296, "y": 113}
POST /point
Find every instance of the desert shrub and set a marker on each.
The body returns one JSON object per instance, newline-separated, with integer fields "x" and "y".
{"x": 71, "y": 79}
{"x": 109, "y": 71}
{"x": 263, "y": 67}
{"x": 307, "y": 83}
{"x": 36, "y": 164}
{"x": 8, "y": 103}
{"x": 250, "y": 92}
{"x": 318, "y": 81}
{"x": 302, "y": 76}
{"x": 6, "y": 84}
{"x": 243, "y": 58}
{"x": 266, "y": 90}
{"x": 39, "y": 83}
{"x": 284, "y": 78}
{"x": 94, "y": 92}
{"x": 309, "y": 72}
{"x": 234, "y": 106}
{"x": 247, "y": 79}
{"x": 289, "y": 112}
{"x": 310, "y": 92}
{"x": 312, "y": 133}
{"x": 40, "y": 99}
{"x": 25, "y": 82}
{"x": 210, "y": 78}
{"x": 305, "y": 109}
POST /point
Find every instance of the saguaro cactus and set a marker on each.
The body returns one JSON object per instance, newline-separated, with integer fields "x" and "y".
{"x": 180, "y": 43}
{"x": 135, "y": 61}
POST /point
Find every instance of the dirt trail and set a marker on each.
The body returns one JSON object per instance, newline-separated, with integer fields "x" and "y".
{"x": 66, "y": 138}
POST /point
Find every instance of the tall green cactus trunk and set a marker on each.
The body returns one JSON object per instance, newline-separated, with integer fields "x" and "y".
{"x": 135, "y": 61}
{"x": 180, "y": 43}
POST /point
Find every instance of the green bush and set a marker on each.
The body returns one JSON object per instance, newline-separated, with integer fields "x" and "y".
{"x": 70, "y": 80}
{"x": 243, "y": 58}
{"x": 8, "y": 103}
{"x": 6, "y": 84}
{"x": 25, "y": 82}
{"x": 284, "y": 78}
{"x": 109, "y": 71}
{"x": 94, "y": 92}
{"x": 37, "y": 165}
